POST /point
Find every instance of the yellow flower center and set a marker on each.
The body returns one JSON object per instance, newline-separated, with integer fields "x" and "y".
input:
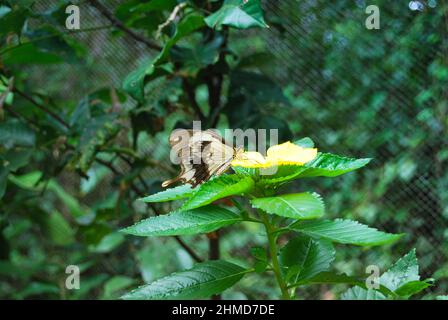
{"x": 282, "y": 154}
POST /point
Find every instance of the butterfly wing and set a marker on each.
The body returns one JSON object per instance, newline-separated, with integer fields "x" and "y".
{"x": 201, "y": 154}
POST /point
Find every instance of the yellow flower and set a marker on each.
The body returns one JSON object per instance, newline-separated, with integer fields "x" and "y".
{"x": 282, "y": 154}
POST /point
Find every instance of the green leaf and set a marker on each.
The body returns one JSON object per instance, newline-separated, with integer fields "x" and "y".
{"x": 108, "y": 243}
{"x": 17, "y": 158}
{"x": 324, "y": 165}
{"x": 403, "y": 271}
{"x": 330, "y": 165}
{"x": 134, "y": 83}
{"x": 201, "y": 220}
{"x": 27, "y": 181}
{"x": 115, "y": 285}
{"x": 331, "y": 277}
{"x": 304, "y": 257}
{"x": 297, "y": 206}
{"x": 259, "y": 253}
{"x": 12, "y": 21}
{"x": 217, "y": 188}
{"x": 305, "y": 142}
{"x": 171, "y": 194}
{"x": 38, "y": 289}
{"x": 357, "y": 293}
{"x": 261, "y": 259}
{"x": 31, "y": 181}
{"x": 442, "y": 297}
{"x": 196, "y": 54}
{"x": 328, "y": 277}
{"x": 239, "y": 14}
{"x": 203, "y": 280}
{"x": 98, "y": 133}
{"x": 14, "y": 133}
{"x": 73, "y": 205}
{"x": 413, "y": 287}
{"x": 249, "y": 94}
{"x": 30, "y": 54}
{"x": 3, "y": 179}
{"x": 59, "y": 230}
{"x": 345, "y": 231}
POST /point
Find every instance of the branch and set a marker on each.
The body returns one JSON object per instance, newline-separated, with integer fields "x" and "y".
{"x": 117, "y": 23}
{"x": 190, "y": 251}
{"x": 192, "y": 98}
{"x": 42, "y": 107}
{"x": 37, "y": 39}
{"x": 19, "y": 116}
{"x": 213, "y": 252}
{"x": 171, "y": 18}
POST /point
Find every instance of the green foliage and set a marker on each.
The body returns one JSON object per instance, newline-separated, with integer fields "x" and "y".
{"x": 297, "y": 206}
{"x": 401, "y": 281}
{"x": 135, "y": 82}
{"x": 171, "y": 194}
{"x": 345, "y": 231}
{"x": 75, "y": 151}
{"x": 203, "y": 280}
{"x": 200, "y": 220}
{"x": 238, "y": 14}
{"x": 303, "y": 257}
{"x": 299, "y": 261}
{"x": 324, "y": 165}
{"x": 403, "y": 271}
{"x": 217, "y": 188}
{"x": 358, "y": 293}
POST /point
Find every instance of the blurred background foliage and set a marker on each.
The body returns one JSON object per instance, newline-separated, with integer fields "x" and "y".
{"x": 83, "y": 134}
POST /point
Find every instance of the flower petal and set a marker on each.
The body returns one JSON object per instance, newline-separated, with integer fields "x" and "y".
{"x": 282, "y": 154}
{"x": 249, "y": 159}
{"x": 290, "y": 153}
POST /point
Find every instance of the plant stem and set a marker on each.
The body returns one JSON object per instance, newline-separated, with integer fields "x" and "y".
{"x": 274, "y": 256}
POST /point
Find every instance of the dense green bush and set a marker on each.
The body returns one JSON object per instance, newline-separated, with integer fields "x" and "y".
{"x": 71, "y": 169}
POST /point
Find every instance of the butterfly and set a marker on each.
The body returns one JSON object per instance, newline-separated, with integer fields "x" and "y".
{"x": 201, "y": 155}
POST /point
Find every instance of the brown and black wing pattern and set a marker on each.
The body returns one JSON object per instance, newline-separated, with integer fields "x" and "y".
{"x": 201, "y": 154}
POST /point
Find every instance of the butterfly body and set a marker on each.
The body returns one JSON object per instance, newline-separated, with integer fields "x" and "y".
{"x": 201, "y": 155}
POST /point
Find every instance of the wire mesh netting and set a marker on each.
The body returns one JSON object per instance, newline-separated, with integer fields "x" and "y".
{"x": 354, "y": 91}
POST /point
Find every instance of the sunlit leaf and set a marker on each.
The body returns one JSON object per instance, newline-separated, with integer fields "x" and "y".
{"x": 200, "y": 220}
{"x": 297, "y": 206}
{"x": 304, "y": 257}
{"x": 403, "y": 271}
{"x": 180, "y": 192}
{"x": 217, "y": 188}
{"x": 345, "y": 231}
{"x": 413, "y": 287}
{"x": 357, "y": 293}
{"x": 203, "y": 280}
{"x": 239, "y": 14}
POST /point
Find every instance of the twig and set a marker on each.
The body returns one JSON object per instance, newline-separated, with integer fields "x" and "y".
{"x": 214, "y": 252}
{"x": 42, "y": 107}
{"x": 21, "y": 44}
{"x": 171, "y": 18}
{"x": 6, "y": 93}
{"x": 192, "y": 98}
{"x": 190, "y": 251}
{"x": 117, "y": 23}
{"x": 18, "y": 115}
